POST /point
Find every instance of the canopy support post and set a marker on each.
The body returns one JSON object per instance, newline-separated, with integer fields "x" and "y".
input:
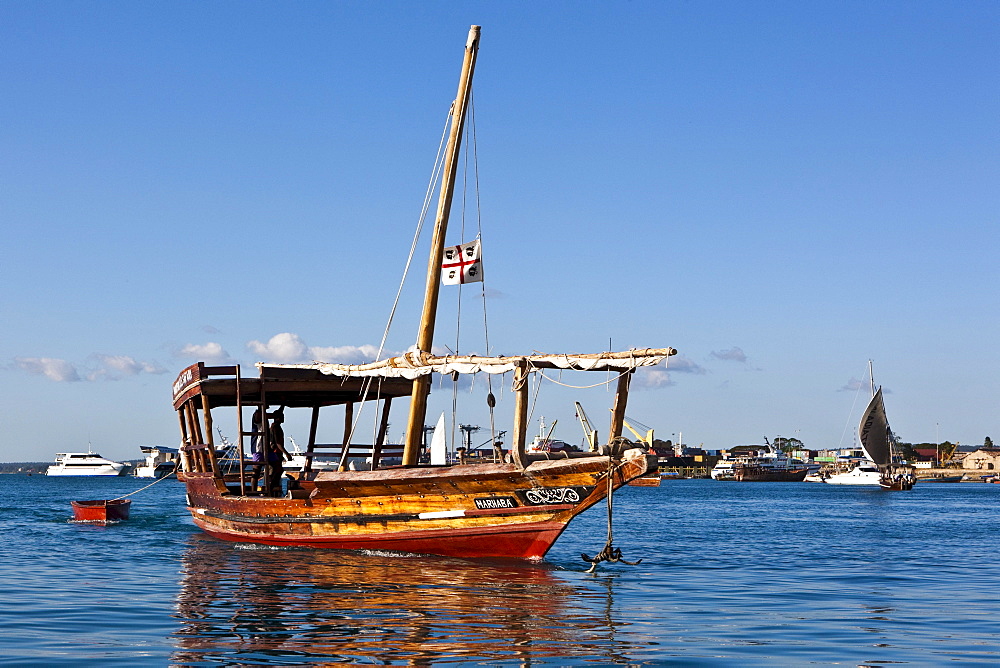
{"x": 618, "y": 411}
{"x": 311, "y": 446}
{"x": 345, "y": 449}
{"x": 383, "y": 429}
{"x": 517, "y": 450}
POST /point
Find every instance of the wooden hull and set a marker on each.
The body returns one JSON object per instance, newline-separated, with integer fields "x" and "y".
{"x": 101, "y": 510}
{"x": 470, "y": 511}
{"x": 651, "y": 480}
{"x": 758, "y": 474}
{"x": 896, "y": 483}
{"x": 529, "y": 541}
{"x": 949, "y": 478}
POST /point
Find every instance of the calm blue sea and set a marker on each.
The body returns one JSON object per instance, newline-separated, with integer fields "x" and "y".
{"x": 748, "y": 574}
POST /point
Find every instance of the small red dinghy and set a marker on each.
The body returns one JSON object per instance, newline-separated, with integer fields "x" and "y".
{"x": 115, "y": 510}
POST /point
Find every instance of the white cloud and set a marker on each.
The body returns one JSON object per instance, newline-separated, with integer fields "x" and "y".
{"x": 54, "y": 369}
{"x": 282, "y": 348}
{"x": 205, "y": 352}
{"x": 659, "y": 375}
{"x": 104, "y": 367}
{"x": 683, "y": 364}
{"x": 853, "y": 385}
{"x": 290, "y": 348}
{"x": 734, "y": 354}
{"x": 115, "y": 367}
{"x": 652, "y": 378}
{"x": 346, "y": 354}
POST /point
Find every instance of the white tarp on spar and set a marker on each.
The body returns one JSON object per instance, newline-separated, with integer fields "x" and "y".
{"x": 412, "y": 365}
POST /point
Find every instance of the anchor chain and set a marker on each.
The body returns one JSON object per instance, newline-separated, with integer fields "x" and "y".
{"x": 610, "y": 553}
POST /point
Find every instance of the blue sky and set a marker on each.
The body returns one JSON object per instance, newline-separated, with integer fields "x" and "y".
{"x": 781, "y": 191}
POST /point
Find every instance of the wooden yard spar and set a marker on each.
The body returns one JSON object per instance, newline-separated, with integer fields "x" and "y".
{"x": 383, "y": 496}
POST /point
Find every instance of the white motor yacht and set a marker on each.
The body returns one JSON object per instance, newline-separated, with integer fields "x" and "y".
{"x": 84, "y": 463}
{"x": 298, "y": 461}
{"x": 865, "y": 473}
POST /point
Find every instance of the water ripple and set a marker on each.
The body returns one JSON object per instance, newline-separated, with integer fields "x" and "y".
{"x": 731, "y": 574}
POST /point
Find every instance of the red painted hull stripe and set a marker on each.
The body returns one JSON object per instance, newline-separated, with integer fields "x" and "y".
{"x": 521, "y": 542}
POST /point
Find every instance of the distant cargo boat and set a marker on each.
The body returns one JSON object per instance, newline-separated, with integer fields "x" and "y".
{"x": 761, "y": 463}
{"x": 758, "y": 473}
{"x": 115, "y": 510}
{"x": 84, "y": 463}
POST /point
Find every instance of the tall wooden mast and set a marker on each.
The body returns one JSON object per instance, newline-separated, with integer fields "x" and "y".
{"x": 425, "y": 335}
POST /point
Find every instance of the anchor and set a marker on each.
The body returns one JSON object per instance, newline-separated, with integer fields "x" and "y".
{"x": 609, "y": 553}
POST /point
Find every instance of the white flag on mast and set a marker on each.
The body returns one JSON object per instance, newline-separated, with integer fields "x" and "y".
{"x": 462, "y": 264}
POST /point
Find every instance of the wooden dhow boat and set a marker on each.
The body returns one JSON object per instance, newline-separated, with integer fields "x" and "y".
{"x": 511, "y": 506}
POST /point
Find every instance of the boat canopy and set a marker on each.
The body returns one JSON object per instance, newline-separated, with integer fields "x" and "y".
{"x": 286, "y": 386}
{"x": 415, "y": 364}
{"x": 325, "y": 384}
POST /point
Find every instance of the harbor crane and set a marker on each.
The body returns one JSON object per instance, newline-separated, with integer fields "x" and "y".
{"x": 589, "y": 433}
{"x": 647, "y": 439}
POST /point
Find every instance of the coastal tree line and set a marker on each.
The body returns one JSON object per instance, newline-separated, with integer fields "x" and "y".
{"x": 946, "y": 449}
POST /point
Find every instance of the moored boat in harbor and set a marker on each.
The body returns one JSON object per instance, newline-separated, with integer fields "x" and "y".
{"x": 942, "y": 478}
{"x": 84, "y": 464}
{"x": 759, "y": 463}
{"x": 647, "y": 480}
{"x": 510, "y": 507}
{"x": 111, "y": 510}
{"x": 863, "y": 473}
{"x": 160, "y": 461}
{"x": 747, "y": 472}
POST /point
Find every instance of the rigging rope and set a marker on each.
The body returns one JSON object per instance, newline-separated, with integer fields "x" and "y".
{"x": 471, "y": 148}
{"x": 538, "y": 386}
{"x": 428, "y": 198}
{"x": 847, "y": 426}
{"x": 578, "y": 387}
{"x": 491, "y": 400}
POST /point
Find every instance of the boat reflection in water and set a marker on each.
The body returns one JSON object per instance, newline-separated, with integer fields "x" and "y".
{"x": 258, "y": 605}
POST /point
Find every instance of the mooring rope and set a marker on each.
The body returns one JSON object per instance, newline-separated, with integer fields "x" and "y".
{"x": 146, "y": 487}
{"x": 424, "y": 209}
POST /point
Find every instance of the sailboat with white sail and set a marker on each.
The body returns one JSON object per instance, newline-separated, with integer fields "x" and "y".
{"x": 883, "y": 468}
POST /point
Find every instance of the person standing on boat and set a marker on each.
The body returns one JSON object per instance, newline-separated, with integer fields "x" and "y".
{"x": 257, "y": 447}
{"x": 276, "y": 453}
{"x": 268, "y": 446}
